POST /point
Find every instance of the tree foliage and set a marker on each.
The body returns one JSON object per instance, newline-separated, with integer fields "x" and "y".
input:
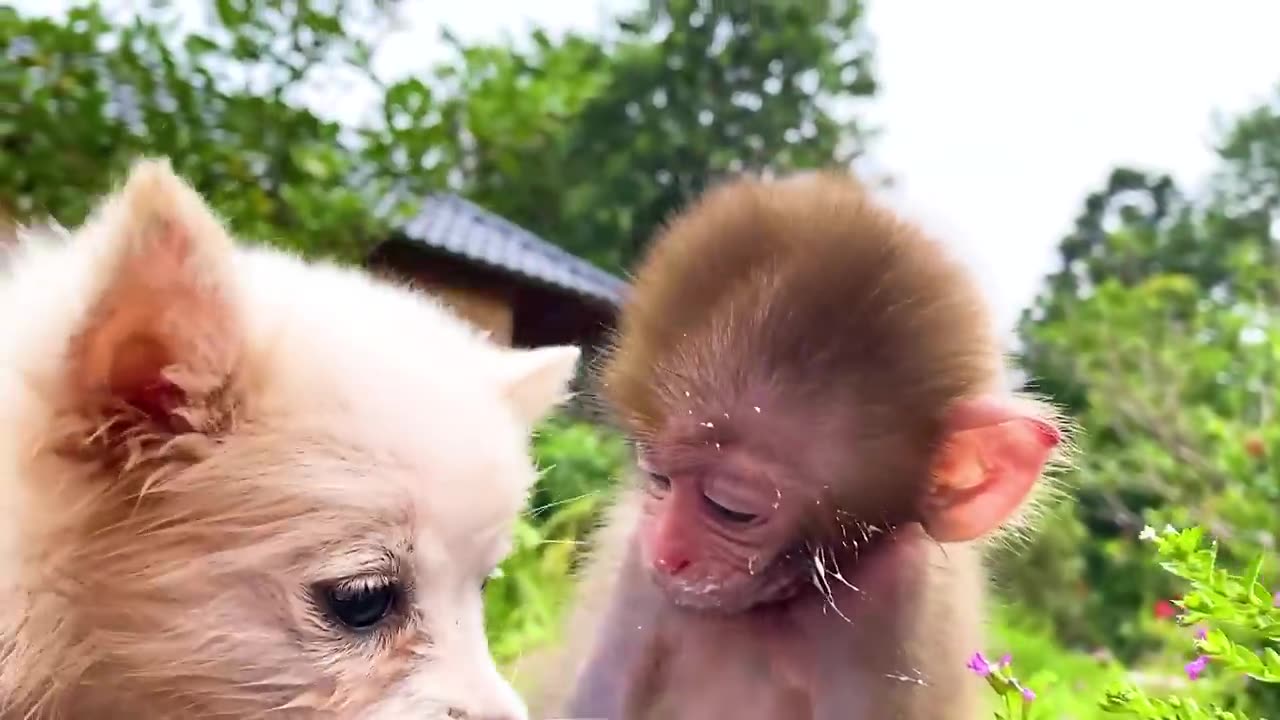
{"x": 591, "y": 143}
{"x": 1160, "y": 332}
{"x": 1230, "y": 623}
{"x": 87, "y": 94}
{"x": 595, "y": 145}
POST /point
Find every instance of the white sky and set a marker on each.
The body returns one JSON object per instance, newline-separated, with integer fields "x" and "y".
{"x": 999, "y": 116}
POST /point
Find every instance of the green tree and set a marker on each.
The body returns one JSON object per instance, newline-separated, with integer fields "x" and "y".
{"x": 1159, "y": 333}
{"x": 86, "y": 94}
{"x": 1140, "y": 225}
{"x": 590, "y": 143}
{"x": 594, "y": 146}
{"x": 1249, "y": 181}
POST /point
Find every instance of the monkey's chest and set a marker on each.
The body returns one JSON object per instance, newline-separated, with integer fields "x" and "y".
{"x": 720, "y": 678}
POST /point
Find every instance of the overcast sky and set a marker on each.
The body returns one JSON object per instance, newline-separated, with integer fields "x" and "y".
{"x": 998, "y": 115}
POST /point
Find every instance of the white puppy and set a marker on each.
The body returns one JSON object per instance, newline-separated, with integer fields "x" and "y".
{"x": 234, "y": 484}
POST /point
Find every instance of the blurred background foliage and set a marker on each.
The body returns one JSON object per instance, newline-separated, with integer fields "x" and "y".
{"x": 1158, "y": 332}
{"x": 586, "y": 141}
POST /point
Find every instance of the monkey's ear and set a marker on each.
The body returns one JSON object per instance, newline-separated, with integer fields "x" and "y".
{"x": 995, "y": 451}
{"x": 534, "y": 381}
{"x": 160, "y": 322}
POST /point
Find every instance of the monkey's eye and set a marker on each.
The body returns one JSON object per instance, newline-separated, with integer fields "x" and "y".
{"x": 658, "y": 481}
{"x": 361, "y": 603}
{"x": 724, "y": 513}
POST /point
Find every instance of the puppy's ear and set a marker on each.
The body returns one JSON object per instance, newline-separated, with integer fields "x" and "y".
{"x": 162, "y": 327}
{"x": 535, "y": 381}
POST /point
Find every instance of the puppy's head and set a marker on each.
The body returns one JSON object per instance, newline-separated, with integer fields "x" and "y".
{"x": 238, "y": 485}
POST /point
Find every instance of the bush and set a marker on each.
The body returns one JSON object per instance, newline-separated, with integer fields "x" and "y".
{"x": 1157, "y": 333}
{"x": 580, "y": 462}
{"x": 1234, "y": 621}
{"x": 1067, "y": 681}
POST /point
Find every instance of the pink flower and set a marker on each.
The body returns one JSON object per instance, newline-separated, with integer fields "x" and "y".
{"x": 1275, "y": 600}
{"x": 1006, "y": 660}
{"x": 1028, "y": 694}
{"x": 979, "y": 665}
{"x": 1201, "y": 631}
{"x": 1196, "y": 667}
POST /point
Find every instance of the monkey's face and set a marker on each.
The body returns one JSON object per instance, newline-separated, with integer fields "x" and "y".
{"x": 717, "y": 528}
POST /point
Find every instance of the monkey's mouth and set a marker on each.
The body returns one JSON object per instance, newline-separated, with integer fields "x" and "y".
{"x": 779, "y": 580}
{"x": 833, "y": 570}
{"x": 717, "y": 595}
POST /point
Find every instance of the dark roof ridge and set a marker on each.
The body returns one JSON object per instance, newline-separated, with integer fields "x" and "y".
{"x": 459, "y": 226}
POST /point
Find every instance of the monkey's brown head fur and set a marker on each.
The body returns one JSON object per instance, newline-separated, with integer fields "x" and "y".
{"x": 800, "y": 331}
{"x": 809, "y": 300}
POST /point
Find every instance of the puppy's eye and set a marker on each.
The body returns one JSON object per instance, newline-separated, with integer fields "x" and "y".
{"x": 361, "y": 603}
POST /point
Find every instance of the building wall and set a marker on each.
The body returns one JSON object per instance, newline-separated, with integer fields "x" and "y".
{"x": 517, "y": 313}
{"x": 487, "y": 305}
{"x": 488, "y": 309}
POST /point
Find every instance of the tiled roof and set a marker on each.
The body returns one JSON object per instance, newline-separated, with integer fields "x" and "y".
{"x": 461, "y": 228}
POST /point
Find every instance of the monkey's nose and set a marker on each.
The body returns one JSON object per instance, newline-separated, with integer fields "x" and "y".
{"x": 672, "y": 565}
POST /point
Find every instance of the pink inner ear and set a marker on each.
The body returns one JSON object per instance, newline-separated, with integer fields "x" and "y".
{"x": 137, "y": 377}
{"x": 995, "y": 452}
{"x": 161, "y": 310}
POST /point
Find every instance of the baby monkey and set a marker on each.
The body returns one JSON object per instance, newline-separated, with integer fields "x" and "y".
{"x": 814, "y": 391}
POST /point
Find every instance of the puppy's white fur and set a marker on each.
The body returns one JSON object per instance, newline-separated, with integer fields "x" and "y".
{"x": 199, "y": 440}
